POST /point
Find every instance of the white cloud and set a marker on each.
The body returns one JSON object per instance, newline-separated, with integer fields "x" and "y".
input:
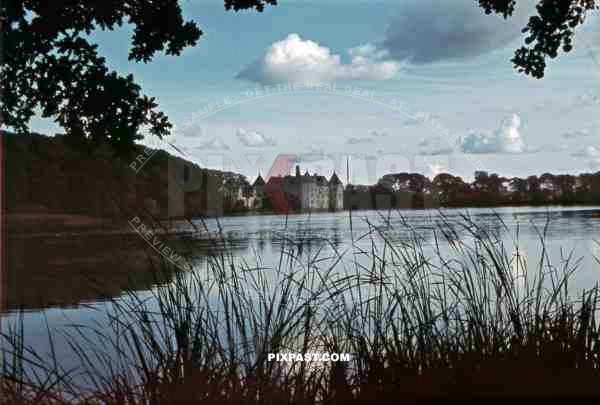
{"x": 506, "y": 139}
{"x": 356, "y": 140}
{"x": 296, "y": 60}
{"x": 254, "y": 139}
{"x": 588, "y": 152}
{"x": 592, "y": 153}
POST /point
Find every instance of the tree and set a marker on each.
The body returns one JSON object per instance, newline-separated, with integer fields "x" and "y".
{"x": 548, "y": 32}
{"x": 449, "y": 188}
{"x": 519, "y": 189}
{"x": 49, "y": 65}
{"x": 566, "y": 184}
{"x": 533, "y": 184}
{"x": 481, "y": 180}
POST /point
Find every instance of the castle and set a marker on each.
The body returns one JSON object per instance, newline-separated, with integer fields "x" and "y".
{"x": 307, "y": 192}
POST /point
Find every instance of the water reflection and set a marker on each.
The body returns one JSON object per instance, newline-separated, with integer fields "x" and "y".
{"x": 44, "y": 271}
{"x": 58, "y": 270}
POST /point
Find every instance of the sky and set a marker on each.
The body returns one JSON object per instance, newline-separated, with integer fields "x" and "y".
{"x": 385, "y": 85}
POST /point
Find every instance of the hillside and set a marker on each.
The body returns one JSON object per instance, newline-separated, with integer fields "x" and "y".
{"x": 51, "y": 182}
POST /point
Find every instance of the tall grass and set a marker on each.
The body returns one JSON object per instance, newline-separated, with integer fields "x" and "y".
{"x": 474, "y": 320}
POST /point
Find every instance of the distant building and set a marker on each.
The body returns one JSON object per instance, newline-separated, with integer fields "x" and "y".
{"x": 336, "y": 193}
{"x": 309, "y": 192}
{"x": 258, "y": 194}
{"x": 237, "y": 191}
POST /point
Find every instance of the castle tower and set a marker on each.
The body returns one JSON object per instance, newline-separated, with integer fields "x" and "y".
{"x": 336, "y": 193}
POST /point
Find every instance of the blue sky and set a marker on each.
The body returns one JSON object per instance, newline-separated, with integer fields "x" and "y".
{"x": 450, "y": 62}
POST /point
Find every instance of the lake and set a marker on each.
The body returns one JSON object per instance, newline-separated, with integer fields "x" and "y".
{"x": 61, "y": 279}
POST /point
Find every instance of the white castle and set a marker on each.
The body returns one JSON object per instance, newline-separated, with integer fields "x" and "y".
{"x": 308, "y": 192}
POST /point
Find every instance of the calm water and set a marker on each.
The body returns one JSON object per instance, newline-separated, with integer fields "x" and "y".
{"x": 62, "y": 280}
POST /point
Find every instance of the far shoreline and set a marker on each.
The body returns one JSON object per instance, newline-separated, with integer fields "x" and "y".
{"x": 36, "y": 224}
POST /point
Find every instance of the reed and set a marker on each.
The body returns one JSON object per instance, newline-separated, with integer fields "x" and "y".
{"x": 468, "y": 318}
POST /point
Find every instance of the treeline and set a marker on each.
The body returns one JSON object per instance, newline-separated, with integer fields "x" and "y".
{"x": 413, "y": 190}
{"x": 47, "y": 175}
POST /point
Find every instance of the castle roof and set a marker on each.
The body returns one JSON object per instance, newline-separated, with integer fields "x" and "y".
{"x": 259, "y": 181}
{"x": 306, "y": 178}
{"x": 335, "y": 180}
{"x": 321, "y": 180}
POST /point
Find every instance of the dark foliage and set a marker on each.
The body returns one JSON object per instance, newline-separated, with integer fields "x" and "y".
{"x": 413, "y": 190}
{"x": 50, "y": 66}
{"x": 48, "y": 175}
{"x": 548, "y": 32}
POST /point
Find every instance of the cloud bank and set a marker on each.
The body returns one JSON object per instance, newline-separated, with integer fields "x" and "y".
{"x": 428, "y": 31}
{"x": 506, "y": 139}
{"x": 294, "y": 59}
